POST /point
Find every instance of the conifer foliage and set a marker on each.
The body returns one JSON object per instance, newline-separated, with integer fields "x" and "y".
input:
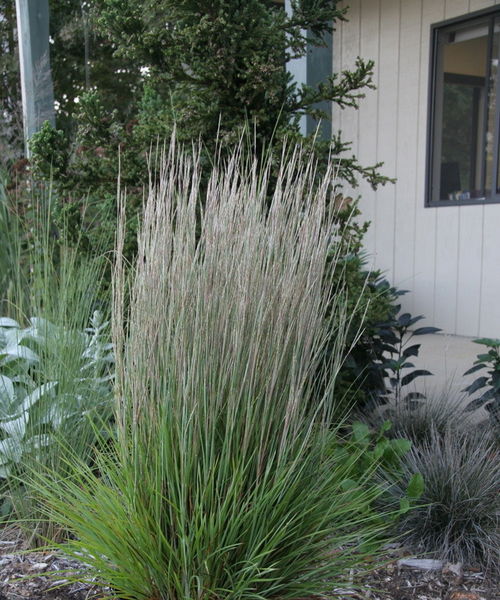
{"x": 207, "y": 68}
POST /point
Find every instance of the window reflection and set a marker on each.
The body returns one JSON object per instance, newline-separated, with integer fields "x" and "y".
{"x": 464, "y": 73}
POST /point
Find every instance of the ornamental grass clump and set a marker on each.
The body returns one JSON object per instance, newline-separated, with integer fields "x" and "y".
{"x": 459, "y": 515}
{"x": 223, "y": 481}
{"x": 420, "y": 420}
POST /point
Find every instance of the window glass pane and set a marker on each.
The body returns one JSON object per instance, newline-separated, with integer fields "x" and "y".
{"x": 464, "y": 75}
{"x": 491, "y": 131}
{"x": 495, "y": 125}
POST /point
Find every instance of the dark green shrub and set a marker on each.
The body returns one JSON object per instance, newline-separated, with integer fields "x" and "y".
{"x": 11, "y": 123}
{"x": 393, "y": 346}
{"x": 208, "y": 69}
{"x": 489, "y": 399}
{"x": 241, "y": 83}
{"x": 378, "y": 366}
{"x": 10, "y": 248}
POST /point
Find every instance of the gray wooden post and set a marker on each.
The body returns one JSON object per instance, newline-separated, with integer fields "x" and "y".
{"x": 319, "y": 67}
{"x": 311, "y": 69}
{"x": 298, "y": 70}
{"x": 36, "y": 79}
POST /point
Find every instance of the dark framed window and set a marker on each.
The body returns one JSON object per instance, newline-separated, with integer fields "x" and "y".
{"x": 464, "y": 111}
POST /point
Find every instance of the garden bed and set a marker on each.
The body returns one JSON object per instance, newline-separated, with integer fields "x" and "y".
{"x": 23, "y": 575}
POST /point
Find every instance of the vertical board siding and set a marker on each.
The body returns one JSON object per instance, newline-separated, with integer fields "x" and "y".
{"x": 470, "y": 258}
{"x": 447, "y": 236}
{"x": 449, "y": 257}
{"x": 367, "y": 150}
{"x": 388, "y": 66}
{"x": 424, "y": 249}
{"x": 348, "y": 118}
{"x": 490, "y": 288}
{"x": 445, "y": 288}
{"x": 476, "y": 4}
{"x": 408, "y": 91}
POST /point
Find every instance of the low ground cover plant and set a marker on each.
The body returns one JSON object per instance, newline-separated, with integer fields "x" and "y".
{"x": 223, "y": 481}
{"x": 380, "y": 448}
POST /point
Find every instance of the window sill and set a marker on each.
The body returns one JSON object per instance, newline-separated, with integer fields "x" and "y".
{"x": 474, "y": 202}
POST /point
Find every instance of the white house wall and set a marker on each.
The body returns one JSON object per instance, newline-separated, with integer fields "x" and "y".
{"x": 449, "y": 257}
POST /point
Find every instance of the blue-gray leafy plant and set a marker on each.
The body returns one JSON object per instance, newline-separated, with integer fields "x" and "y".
{"x": 32, "y": 409}
{"x": 18, "y": 393}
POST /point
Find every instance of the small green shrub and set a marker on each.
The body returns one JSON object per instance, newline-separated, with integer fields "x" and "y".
{"x": 222, "y": 481}
{"x": 380, "y": 450}
{"x": 459, "y": 515}
{"x": 378, "y": 367}
{"x": 370, "y": 300}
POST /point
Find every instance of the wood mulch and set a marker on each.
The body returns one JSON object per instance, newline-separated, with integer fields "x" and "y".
{"x": 23, "y": 576}
{"x": 451, "y": 582}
